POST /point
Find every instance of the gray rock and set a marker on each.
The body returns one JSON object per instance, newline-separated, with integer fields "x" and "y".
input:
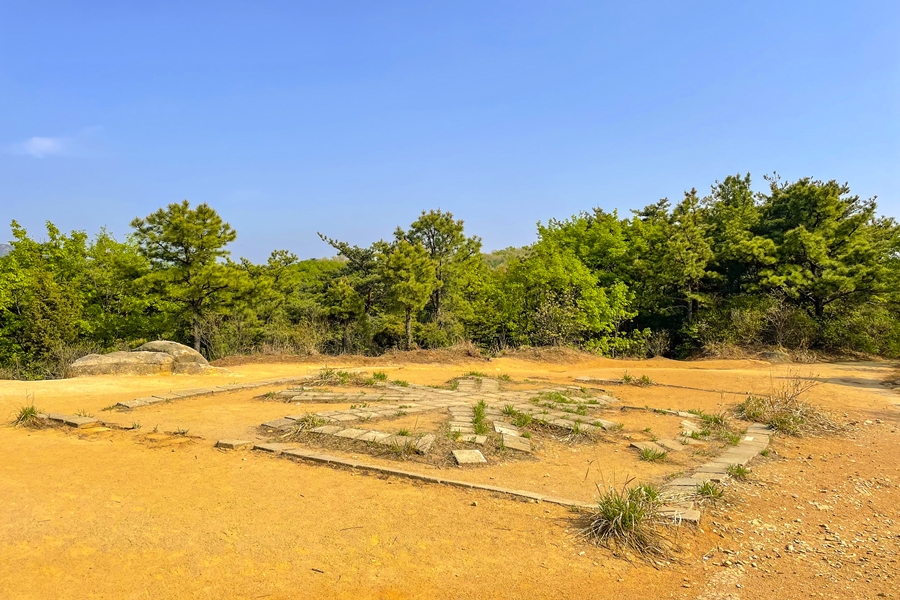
{"x": 123, "y": 363}
{"x": 152, "y": 358}
{"x": 180, "y": 352}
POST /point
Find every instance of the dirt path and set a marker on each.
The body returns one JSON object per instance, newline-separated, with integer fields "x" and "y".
{"x": 107, "y": 517}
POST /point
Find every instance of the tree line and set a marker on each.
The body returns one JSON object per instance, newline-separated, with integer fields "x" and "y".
{"x": 805, "y": 266}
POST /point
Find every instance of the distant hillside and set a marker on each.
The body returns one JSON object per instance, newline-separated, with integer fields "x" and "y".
{"x": 5, "y": 249}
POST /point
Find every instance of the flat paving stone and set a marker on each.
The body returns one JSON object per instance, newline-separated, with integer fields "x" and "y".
{"x": 79, "y": 422}
{"x": 233, "y": 444}
{"x": 424, "y": 443}
{"x": 691, "y": 515}
{"x": 712, "y": 468}
{"x": 462, "y": 429}
{"x": 273, "y": 448}
{"x": 506, "y": 429}
{"x": 373, "y": 436}
{"x": 279, "y": 423}
{"x": 468, "y": 457}
{"x": 608, "y": 425}
{"x": 671, "y": 445}
{"x": 132, "y": 404}
{"x": 683, "y": 482}
{"x": 648, "y": 446}
{"x": 515, "y": 442}
{"x": 344, "y": 417}
{"x": 690, "y": 426}
{"x": 473, "y": 439}
{"x": 350, "y": 433}
{"x": 327, "y": 429}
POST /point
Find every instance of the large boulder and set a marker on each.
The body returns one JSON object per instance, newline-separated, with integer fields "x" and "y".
{"x": 181, "y": 353}
{"x": 153, "y": 358}
{"x": 123, "y": 363}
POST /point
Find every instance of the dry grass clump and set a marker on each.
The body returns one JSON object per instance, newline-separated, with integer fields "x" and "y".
{"x": 786, "y": 411}
{"x": 28, "y": 417}
{"x": 628, "y": 519}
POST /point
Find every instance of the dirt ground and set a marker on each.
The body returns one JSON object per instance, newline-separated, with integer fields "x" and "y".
{"x": 123, "y": 515}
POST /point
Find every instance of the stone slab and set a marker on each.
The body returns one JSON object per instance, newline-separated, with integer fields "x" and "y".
{"x": 712, "y": 468}
{"x": 327, "y": 429}
{"x": 473, "y": 439}
{"x": 690, "y": 426}
{"x": 468, "y": 457}
{"x": 671, "y": 445}
{"x": 683, "y": 482}
{"x": 424, "y": 443}
{"x": 350, "y": 433}
{"x": 506, "y": 429}
{"x": 279, "y": 423}
{"x": 462, "y": 429}
{"x": 131, "y": 404}
{"x": 79, "y": 422}
{"x": 608, "y": 425}
{"x": 273, "y": 448}
{"x": 373, "y": 436}
{"x": 233, "y": 444}
{"x": 691, "y": 515}
{"x": 515, "y": 442}
{"x": 648, "y": 446}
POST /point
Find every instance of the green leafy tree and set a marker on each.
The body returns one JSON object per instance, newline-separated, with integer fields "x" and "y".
{"x": 184, "y": 246}
{"x": 829, "y": 245}
{"x": 409, "y": 275}
{"x": 342, "y": 303}
{"x": 456, "y": 260}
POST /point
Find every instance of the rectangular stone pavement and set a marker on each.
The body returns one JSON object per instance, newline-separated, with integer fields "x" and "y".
{"x": 671, "y": 445}
{"x": 273, "y": 448}
{"x": 79, "y": 422}
{"x": 233, "y": 444}
{"x": 648, "y": 446}
{"x": 515, "y": 442}
{"x": 506, "y": 428}
{"x": 280, "y": 424}
{"x": 350, "y": 433}
{"x": 373, "y": 436}
{"x": 473, "y": 439}
{"x": 468, "y": 457}
{"x": 327, "y": 429}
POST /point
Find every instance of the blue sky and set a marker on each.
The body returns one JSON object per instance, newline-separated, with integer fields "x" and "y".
{"x": 351, "y": 117}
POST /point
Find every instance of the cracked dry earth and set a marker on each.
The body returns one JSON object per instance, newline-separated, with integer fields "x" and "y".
{"x": 120, "y": 515}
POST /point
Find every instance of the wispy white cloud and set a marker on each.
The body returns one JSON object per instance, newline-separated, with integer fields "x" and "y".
{"x": 84, "y": 142}
{"x": 41, "y": 147}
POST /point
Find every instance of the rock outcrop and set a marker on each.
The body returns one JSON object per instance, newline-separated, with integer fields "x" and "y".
{"x": 153, "y": 358}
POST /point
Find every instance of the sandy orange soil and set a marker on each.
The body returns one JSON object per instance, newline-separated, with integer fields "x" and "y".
{"x": 117, "y": 515}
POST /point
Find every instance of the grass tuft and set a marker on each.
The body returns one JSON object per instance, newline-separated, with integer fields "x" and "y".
{"x": 786, "y": 411}
{"x": 710, "y": 490}
{"x": 739, "y": 472}
{"x": 628, "y": 519}
{"x": 28, "y": 417}
{"x": 651, "y": 455}
{"x": 479, "y": 421}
